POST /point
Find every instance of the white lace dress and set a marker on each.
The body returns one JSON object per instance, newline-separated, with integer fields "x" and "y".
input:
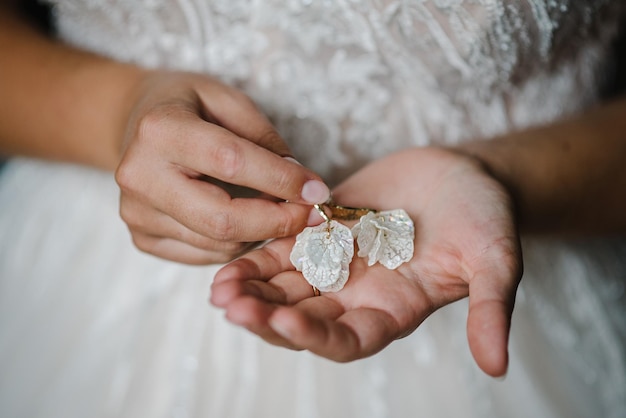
{"x": 90, "y": 327}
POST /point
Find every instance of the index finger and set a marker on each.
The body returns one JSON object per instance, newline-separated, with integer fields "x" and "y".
{"x": 226, "y": 106}
{"x": 210, "y": 211}
{"x": 216, "y": 152}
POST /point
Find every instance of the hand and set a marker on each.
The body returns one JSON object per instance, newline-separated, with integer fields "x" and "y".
{"x": 466, "y": 244}
{"x": 191, "y": 142}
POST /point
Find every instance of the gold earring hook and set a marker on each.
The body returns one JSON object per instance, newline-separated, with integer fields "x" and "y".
{"x": 322, "y": 213}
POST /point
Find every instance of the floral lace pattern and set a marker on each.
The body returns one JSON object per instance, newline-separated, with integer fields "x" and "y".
{"x": 358, "y": 79}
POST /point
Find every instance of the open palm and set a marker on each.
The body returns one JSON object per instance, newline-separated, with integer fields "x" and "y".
{"x": 466, "y": 244}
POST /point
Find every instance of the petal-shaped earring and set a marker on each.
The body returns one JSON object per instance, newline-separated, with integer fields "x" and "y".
{"x": 385, "y": 237}
{"x": 323, "y": 254}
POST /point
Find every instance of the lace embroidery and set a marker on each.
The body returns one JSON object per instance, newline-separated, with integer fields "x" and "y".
{"x": 359, "y": 79}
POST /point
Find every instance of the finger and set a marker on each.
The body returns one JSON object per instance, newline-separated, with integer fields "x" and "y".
{"x": 491, "y": 302}
{"x": 217, "y": 152}
{"x": 356, "y": 334}
{"x": 285, "y": 289}
{"x": 142, "y": 219}
{"x": 209, "y": 211}
{"x": 225, "y": 105}
{"x": 254, "y": 315}
{"x": 266, "y": 274}
{"x": 173, "y": 250}
{"x": 261, "y": 264}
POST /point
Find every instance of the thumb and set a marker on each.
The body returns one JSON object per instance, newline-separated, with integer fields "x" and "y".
{"x": 491, "y": 301}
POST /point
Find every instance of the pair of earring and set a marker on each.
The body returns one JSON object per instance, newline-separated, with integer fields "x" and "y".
{"x": 323, "y": 253}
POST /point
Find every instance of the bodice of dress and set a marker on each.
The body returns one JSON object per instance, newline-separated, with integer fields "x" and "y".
{"x": 345, "y": 81}
{"x": 350, "y": 80}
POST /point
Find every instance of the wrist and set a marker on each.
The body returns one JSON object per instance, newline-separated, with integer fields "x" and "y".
{"x": 130, "y": 86}
{"x": 60, "y": 102}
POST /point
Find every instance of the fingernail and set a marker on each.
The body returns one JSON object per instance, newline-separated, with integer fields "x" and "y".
{"x": 279, "y": 329}
{"x": 293, "y": 160}
{"x": 314, "y": 191}
{"x": 314, "y": 218}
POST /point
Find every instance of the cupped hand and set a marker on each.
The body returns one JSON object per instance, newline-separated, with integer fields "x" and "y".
{"x": 191, "y": 146}
{"x": 466, "y": 244}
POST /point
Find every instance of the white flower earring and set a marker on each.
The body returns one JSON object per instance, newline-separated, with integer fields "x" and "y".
{"x": 323, "y": 253}
{"x": 385, "y": 237}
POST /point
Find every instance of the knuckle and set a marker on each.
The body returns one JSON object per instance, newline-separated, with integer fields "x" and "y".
{"x": 161, "y": 125}
{"x": 228, "y": 160}
{"x": 222, "y": 226}
{"x": 285, "y": 180}
{"x": 126, "y": 176}
{"x": 286, "y": 226}
{"x": 151, "y": 124}
{"x": 131, "y": 171}
{"x": 142, "y": 243}
{"x": 127, "y": 214}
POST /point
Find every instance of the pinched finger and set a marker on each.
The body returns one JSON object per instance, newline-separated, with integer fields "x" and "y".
{"x": 210, "y": 211}
{"x": 216, "y": 152}
{"x": 142, "y": 219}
